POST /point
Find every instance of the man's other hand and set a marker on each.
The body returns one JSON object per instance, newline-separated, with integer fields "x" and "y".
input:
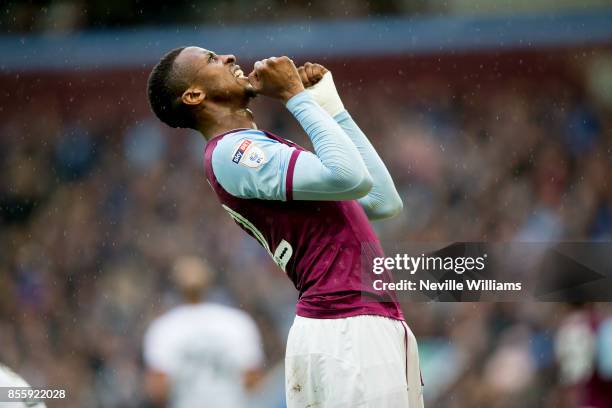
{"x": 311, "y": 73}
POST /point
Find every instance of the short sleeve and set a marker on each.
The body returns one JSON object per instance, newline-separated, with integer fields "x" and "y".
{"x": 248, "y": 164}
{"x": 250, "y": 352}
{"x": 157, "y": 350}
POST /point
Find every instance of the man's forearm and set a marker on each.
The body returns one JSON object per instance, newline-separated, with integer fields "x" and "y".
{"x": 383, "y": 200}
{"x": 342, "y": 164}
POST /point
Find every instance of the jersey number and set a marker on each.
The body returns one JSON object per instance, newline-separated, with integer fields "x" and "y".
{"x": 283, "y": 252}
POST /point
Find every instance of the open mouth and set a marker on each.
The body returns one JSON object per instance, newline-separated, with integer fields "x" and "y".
{"x": 238, "y": 72}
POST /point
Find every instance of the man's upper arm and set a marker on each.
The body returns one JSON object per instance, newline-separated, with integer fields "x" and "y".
{"x": 248, "y": 164}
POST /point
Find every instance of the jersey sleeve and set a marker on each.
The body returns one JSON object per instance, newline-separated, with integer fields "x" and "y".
{"x": 248, "y": 164}
{"x": 383, "y": 200}
{"x": 249, "y": 352}
{"x": 336, "y": 171}
{"x": 157, "y": 348}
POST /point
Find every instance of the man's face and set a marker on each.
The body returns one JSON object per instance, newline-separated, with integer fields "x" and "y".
{"x": 217, "y": 75}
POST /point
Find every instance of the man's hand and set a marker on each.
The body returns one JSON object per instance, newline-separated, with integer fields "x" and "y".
{"x": 311, "y": 73}
{"x": 276, "y": 77}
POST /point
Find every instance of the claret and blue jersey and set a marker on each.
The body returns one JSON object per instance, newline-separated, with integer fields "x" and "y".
{"x": 282, "y": 195}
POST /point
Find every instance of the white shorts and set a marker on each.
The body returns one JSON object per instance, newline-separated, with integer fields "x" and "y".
{"x": 360, "y": 361}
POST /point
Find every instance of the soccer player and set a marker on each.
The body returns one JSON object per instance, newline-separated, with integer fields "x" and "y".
{"x": 349, "y": 345}
{"x": 200, "y": 353}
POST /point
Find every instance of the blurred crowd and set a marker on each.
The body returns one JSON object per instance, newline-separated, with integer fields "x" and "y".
{"x": 95, "y": 208}
{"x": 69, "y": 15}
{"x": 66, "y": 16}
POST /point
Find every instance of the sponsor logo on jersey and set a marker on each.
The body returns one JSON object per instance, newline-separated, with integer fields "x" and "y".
{"x": 239, "y": 152}
{"x": 248, "y": 154}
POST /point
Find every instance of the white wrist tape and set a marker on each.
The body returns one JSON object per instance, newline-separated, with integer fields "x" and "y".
{"x": 325, "y": 94}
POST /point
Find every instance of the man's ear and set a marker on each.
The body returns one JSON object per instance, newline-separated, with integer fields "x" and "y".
{"x": 193, "y": 96}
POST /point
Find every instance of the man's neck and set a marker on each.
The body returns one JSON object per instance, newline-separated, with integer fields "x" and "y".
{"x": 225, "y": 119}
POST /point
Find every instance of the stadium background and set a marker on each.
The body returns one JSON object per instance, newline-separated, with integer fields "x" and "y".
{"x": 493, "y": 117}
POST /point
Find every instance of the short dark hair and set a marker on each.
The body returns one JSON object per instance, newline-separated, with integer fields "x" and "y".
{"x": 165, "y": 89}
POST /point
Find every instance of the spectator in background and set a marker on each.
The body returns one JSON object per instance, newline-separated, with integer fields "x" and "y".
{"x": 201, "y": 352}
{"x": 582, "y": 346}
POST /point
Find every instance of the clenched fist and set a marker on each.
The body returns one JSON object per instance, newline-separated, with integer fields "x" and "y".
{"x": 311, "y": 73}
{"x": 276, "y": 77}
{"x": 319, "y": 83}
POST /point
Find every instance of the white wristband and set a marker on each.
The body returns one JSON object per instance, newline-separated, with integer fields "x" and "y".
{"x": 325, "y": 94}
